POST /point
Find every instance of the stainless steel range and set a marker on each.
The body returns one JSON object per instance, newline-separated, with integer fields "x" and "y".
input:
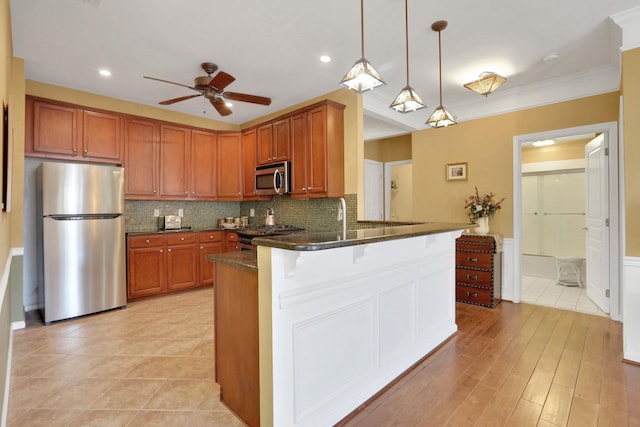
{"x": 246, "y": 234}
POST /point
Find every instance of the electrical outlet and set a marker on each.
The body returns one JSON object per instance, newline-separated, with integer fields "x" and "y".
{"x": 252, "y": 212}
{"x": 156, "y": 213}
{"x": 180, "y": 213}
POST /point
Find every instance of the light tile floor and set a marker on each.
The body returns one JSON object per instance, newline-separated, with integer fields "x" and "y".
{"x": 151, "y": 364}
{"x": 543, "y": 291}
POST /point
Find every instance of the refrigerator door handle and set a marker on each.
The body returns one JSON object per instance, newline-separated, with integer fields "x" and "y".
{"x": 83, "y": 217}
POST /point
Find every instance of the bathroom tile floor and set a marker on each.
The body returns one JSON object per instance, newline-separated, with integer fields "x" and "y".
{"x": 151, "y": 364}
{"x": 544, "y": 291}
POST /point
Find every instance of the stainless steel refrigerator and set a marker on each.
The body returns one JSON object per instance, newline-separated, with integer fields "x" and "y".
{"x": 82, "y": 239}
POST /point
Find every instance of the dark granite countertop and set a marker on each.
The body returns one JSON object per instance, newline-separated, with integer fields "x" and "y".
{"x": 181, "y": 230}
{"x": 335, "y": 239}
{"x": 245, "y": 260}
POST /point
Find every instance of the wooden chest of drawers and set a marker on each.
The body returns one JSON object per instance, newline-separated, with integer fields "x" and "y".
{"x": 478, "y": 270}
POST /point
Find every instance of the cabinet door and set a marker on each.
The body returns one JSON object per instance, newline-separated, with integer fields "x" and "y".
{"x": 231, "y": 241}
{"x": 299, "y": 154}
{"x": 248, "y": 163}
{"x": 174, "y": 161}
{"x": 203, "y": 164}
{"x": 141, "y": 159}
{"x": 55, "y": 129}
{"x": 317, "y": 151}
{"x": 229, "y": 167}
{"x": 182, "y": 267}
{"x": 280, "y": 145}
{"x": 146, "y": 272}
{"x": 101, "y": 136}
{"x": 265, "y": 140}
{"x": 208, "y": 268}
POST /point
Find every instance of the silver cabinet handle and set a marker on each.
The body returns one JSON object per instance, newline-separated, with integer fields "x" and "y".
{"x": 472, "y": 277}
{"x": 472, "y": 294}
{"x": 472, "y": 259}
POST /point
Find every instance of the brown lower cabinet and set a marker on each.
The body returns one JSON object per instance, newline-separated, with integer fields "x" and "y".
{"x": 161, "y": 263}
{"x": 236, "y": 341}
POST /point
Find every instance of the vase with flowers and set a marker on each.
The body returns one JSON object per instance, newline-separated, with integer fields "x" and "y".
{"x": 480, "y": 209}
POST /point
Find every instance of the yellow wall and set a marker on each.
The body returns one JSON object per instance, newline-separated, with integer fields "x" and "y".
{"x": 389, "y": 149}
{"x": 487, "y": 145}
{"x": 565, "y": 151}
{"x": 631, "y": 105}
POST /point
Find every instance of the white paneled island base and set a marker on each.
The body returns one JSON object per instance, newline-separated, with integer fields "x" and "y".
{"x": 337, "y": 325}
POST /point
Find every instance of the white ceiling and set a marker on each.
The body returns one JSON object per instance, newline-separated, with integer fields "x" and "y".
{"x": 272, "y": 48}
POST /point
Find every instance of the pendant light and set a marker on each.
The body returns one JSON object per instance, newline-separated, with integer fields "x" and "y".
{"x": 362, "y": 76}
{"x": 407, "y": 100}
{"x": 440, "y": 117}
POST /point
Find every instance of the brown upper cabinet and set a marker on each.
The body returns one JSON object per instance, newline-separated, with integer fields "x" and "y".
{"x": 229, "y": 173}
{"x": 317, "y": 151}
{"x": 61, "y": 131}
{"x": 273, "y": 142}
{"x": 172, "y": 162}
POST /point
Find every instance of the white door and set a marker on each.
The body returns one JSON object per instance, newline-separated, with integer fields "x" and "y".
{"x": 597, "y": 221}
{"x": 373, "y": 190}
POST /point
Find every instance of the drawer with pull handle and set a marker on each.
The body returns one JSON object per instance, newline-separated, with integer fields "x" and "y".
{"x": 474, "y": 260}
{"x": 473, "y": 295}
{"x": 181, "y": 238}
{"x": 474, "y": 277}
{"x": 145, "y": 241}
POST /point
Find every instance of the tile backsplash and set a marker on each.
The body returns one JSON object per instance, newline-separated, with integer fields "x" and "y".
{"x": 312, "y": 215}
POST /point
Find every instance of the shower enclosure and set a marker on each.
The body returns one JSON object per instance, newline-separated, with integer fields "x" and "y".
{"x": 553, "y": 222}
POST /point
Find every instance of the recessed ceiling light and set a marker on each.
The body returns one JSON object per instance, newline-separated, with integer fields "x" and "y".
{"x": 543, "y": 143}
{"x": 104, "y": 72}
{"x": 325, "y": 58}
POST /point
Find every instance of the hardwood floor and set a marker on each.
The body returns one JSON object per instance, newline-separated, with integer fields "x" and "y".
{"x": 516, "y": 365}
{"x": 152, "y": 364}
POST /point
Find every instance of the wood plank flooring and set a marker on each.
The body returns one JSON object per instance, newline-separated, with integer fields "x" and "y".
{"x": 516, "y": 365}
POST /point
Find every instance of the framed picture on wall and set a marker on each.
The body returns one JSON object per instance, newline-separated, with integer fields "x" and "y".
{"x": 457, "y": 171}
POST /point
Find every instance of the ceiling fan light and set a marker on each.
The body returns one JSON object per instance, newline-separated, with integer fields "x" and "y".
{"x": 407, "y": 100}
{"x": 440, "y": 118}
{"x": 362, "y": 77}
{"x": 486, "y": 84}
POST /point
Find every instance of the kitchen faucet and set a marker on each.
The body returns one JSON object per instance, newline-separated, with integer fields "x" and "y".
{"x": 342, "y": 209}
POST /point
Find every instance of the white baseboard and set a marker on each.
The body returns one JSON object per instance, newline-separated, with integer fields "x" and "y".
{"x": 18, "y": 325}
{"x": 631, "y": 309}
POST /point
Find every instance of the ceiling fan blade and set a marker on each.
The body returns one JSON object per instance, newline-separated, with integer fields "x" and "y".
{"x": 182, "y": 98}
{"x": 221, "y": 80}
{"x": 243, "y": 97}
{"x": 167, "y": 81}
{"x": 220, "y": 106}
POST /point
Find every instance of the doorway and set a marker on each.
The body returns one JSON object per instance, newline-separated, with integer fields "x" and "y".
{"x": 604, "y": 267}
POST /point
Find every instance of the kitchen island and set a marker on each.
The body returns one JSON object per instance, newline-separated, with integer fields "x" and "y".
{"x": 342, "y": 314}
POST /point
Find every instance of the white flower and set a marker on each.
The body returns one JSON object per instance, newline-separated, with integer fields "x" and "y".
{"x": 478, "y": 208}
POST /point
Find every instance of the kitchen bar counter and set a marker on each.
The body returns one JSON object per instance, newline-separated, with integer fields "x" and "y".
{"x": 336, "y": 239}
{"x": 244, "y": 260}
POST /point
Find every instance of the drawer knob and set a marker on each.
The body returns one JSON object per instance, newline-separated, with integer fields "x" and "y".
{"x": 211, "y": 237}
{"x": 472, "y": 259}
{"x": 168, "y": 250}
{"x": 469, "y": 276}
{"x": 182, "y": 238}
{"x": 472, "y": 294}
{"x": 147, "y": 241}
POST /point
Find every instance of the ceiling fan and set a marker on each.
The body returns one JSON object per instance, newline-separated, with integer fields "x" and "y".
{"x": 212, "y": 88}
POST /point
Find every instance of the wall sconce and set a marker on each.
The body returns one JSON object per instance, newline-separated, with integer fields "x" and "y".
{"x": 486, "y": 84}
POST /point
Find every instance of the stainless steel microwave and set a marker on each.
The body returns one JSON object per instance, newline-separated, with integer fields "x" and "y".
{"x": 273, "y": 179}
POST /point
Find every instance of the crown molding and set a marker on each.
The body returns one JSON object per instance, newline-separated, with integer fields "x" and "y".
{"x": 629, "y": 22}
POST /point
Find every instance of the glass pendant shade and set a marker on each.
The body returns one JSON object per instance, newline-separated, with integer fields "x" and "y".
{"x": 486, "y": 84}
{"x": 440, "y": 118}
{"x": 407, "y": 100}
{"x": 362, "y": 77}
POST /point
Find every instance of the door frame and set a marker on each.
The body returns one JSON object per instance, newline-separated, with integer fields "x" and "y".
{"x": 380, "y": 190}
{"x": 387, "y": 185}
{"x": 615, "y": 202}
